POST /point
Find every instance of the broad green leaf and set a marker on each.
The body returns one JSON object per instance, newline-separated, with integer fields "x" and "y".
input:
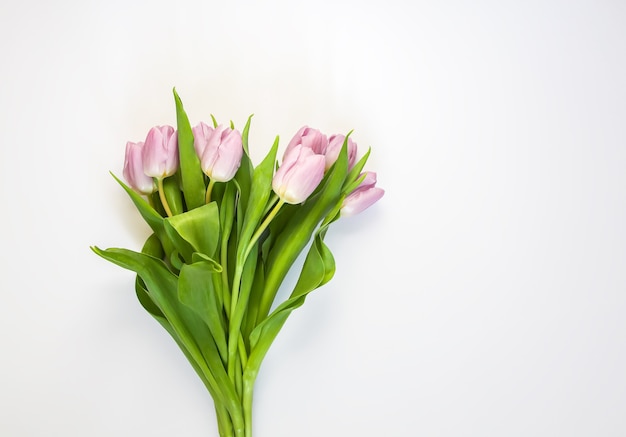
{"x": 199, "y": 230}
{"x": 196, "y": 290}
{"x": 198, "y": 257}
{"x": 189, "y": 329}
{"x": 153, "y": 247}
{"x": 317, "y": 269}
{"x": 192, "y": 177}
{"x": 146, "y": 301}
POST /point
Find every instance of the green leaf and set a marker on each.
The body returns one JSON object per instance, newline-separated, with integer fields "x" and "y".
{"x": 198, "y": 257}
{"x": 318, "y": 268}
{"x": 260, "y": 190}
{"x": 192, "y": 177}
{"x": 254, "y": 299}
{"x": 354, "y": 177}
{"x": 187, "y": 328}
{"x": 245, "y": 133}
{"x": 196, "y": 290}
{"x": 197, "y": 230}
{"x": 149, "y": 214}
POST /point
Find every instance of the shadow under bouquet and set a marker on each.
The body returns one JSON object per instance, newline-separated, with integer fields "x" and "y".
{"x": 225, "y": 233}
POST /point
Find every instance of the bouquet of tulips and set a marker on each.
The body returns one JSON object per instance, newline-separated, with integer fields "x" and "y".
{"x": 225, "y": 233}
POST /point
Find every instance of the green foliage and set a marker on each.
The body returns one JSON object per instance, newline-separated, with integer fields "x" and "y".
{"x": 210, "y": 273}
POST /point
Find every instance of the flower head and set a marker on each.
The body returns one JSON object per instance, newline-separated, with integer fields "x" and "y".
{"x": 300, "y": 173}
{"x": 310, "y": 138}
{"x": 220, "y": 150}
{"x": 363, "y": 196}
{"x": 133, "y": 170}
{"x": 335, "y": 143}
{"x": 160, "y": 152}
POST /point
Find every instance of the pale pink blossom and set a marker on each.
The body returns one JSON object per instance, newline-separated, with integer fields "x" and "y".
{"x": 310, "y": 138}
{"x": 299, "y": 174}
{"x": 133, "y": 170}
{"x": 220, "y": 150}
{"x": 160, "y": 152}
{"x": 363, "y": 196}
{"x": 335, "y": 143}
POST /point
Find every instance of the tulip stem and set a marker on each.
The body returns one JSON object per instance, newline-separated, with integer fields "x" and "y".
{"x": 166, "y": 206}
{"x": 234, "y": 335}
{"x": 261, "y": 228}
{"x": 209, "y": 189}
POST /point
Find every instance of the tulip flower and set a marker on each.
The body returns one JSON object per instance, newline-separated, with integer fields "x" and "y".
{"x": 335, "y": 143}
{"x": 220, "y": 150}
{"x": 309, "y": 138}
{"x": 363, "y": 196}
{"x": 300, "y": 173}
{"x": 133, "y": 170}
{"x": 160, "y": 152}
{"x": 160, "y": 157}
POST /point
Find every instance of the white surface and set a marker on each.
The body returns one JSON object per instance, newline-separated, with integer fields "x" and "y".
{"x": 484, "y": 295}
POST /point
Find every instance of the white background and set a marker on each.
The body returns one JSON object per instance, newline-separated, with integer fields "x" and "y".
{"x": 484, "y": 295}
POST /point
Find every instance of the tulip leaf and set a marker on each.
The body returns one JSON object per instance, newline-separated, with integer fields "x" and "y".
{"x": 260, "y": 190}
{"x": 354, "y": 177}
{"x": 149, "y": 214}
{"x": 192, "y": 177}
{"x": 197, "y": 230}
{"x": 146, "y": 301}
{"x": 190, "y": 331}
{"x": 198, "y": 257}
{"x": 254, "y": 299}
{"x": 245, "y": 133}
{"x": 318, "y": 269}
{"x": 196, "y": 290}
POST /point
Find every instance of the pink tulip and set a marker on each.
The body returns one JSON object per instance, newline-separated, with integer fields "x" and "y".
{"x": 300, "y": 173}
{"x": 309, "y": 138}
{"x": 220, "y": 150}
{"x": 364, "y": 196}
{"x": 133, "y": 170}
{"x": 335, "y": 143}
{"x": 160, "y": 152}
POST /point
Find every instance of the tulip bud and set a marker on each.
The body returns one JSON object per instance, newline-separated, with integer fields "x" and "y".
{"x": 160, "y": 152}
{"x": 335, "y": 143}
{"x": 363, "y": 196}
{"x": 309, "y": 138}
{"x": 133, "y": 170}
{"x": 220, "y": 150}
{"x": 300, "y": 173}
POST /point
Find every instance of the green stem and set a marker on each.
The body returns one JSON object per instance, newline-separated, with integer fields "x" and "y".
{"x": 233, "y": 332}
{"x": 243, "y": 355}
{"x": 224, "y": 274}
{"x": 224, "y": 424}
{"x": 261, "y": 228}
{"x": 248, "y": 387}
{"x": 166, "y": 206}
{"x": 234, "y": 322}
{"x": 209, "y": 189}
